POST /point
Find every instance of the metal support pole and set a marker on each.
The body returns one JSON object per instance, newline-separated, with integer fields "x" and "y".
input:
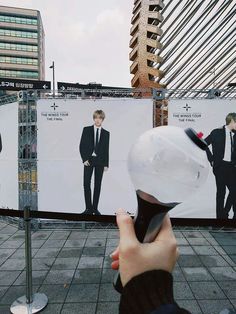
{"x": 30, "y": 303}
{"x": 53, "y": 78}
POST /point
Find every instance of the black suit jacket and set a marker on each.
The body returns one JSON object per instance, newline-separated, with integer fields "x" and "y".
{"x": 86, "y": 146}
{"x": 217, "y": 139}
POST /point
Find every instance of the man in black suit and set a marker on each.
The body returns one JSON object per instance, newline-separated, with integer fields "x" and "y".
{"x": 223, "y": 160}
{"x": 94, "y": 151}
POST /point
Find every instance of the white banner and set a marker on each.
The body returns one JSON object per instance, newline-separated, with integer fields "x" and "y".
{"x": 60, "y": 167}
{"x": 203, "y": 116}
{"x": 9, "y": 156}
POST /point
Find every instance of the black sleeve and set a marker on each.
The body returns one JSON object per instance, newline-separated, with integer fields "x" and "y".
{"x": 82, "y": 145}
{"x": 150, "y": 293}
{"x": 107, "y": 151}
{"x": 0, "y": 143}
{"x": 208, "y": 140}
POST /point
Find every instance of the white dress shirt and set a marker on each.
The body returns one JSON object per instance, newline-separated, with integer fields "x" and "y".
{"x": 99, "y": 134}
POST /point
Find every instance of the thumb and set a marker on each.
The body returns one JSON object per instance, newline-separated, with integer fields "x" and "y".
{"x": 126, "y": 227}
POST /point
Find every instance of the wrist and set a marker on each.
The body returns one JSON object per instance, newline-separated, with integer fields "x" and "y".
{"x": 155, "y": 286}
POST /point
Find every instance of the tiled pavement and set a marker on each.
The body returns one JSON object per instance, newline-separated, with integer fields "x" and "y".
{"x": 72, "y": 267}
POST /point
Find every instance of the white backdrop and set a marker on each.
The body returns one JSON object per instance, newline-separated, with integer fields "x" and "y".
{"x": 60, "y": 168}
{"x": 201, "y": 115}
{"x": 8, "y": 156}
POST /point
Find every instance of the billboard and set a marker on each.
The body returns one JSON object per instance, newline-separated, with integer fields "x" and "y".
{"x": 203, "y": 116}
{"x": 9, "y": 156}
{"x": 66, "y": 138}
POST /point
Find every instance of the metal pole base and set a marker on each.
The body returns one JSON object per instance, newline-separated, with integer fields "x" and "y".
{"x": 20, "y": 306}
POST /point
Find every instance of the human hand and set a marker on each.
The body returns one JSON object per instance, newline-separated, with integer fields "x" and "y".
{"x": 86, "y": 163}
{"x": 105, "y": 168}
{"x": 133, "y": 258}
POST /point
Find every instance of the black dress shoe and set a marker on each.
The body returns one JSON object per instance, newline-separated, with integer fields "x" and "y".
{"x": 87, "y": 212}
{"x": 96, "y": 212}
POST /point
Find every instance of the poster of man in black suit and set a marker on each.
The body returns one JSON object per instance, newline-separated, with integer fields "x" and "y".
{"x": 94, "y": 151}
{"x": 223, "y": 161}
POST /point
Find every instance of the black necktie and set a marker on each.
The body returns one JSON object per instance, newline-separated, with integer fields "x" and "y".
{"x": 96, "y": 141}
{"x": 232, "y": 147}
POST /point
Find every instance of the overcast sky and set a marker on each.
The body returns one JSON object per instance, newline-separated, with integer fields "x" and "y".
{"x": 88, "y": 40}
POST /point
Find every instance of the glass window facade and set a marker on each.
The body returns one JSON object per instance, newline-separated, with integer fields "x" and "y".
{"x": 20, "y": 47}
{"x": 18, "y": 20}
{"x": 18, "y": 60}
{"x": 19, "y": 74}
{"x": 16, "y": 33}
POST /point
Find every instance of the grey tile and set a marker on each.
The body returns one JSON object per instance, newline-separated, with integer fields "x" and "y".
{"x": 108, "y": 307}
{"x": 206, "y": 290}
{"x": 60, "y": 277}
{"x": 177, "y": 274}
{"x": 112, "y": 242}
{"x": 107, "y": 262}
{"x": 108, "y": 294}
{"x": 4, "y": 237}
{"x": 233, "y": 301}
{"x": 215, "y": 306}
{"x": 49, "y": 252}
{"x": 20, "y": 253}
{"x": 197, "y": 274}
{"x": 13, "y": 264}
{"x": 214, "y": 260}
{"x": 190, "y": 305}
{"x": 233, "y": 258}
{"x": 205, "y": 250}
{"x": 70, "y": 252}
{"x": 186, "y": 250}
{"x": 212, "y": 241}
{"x": 220, "y": 249}
{"x": 5, "y": 253}
{"x": 18, "y": 235}
{"x": 113, "y": 234}
{"x": 178, "y": 234}
{"x": 3, "y": 290}
{"x": 198, "y": 241}
{"x": 90, "y": 262}
{"x": 77, "y": 235}
{"x": 53, "y": 244}
{"x": 108, "y": 275}
{"x": 57, "y": 295}
{"x": 8, "y": 230}
{"x": 87, "y": 276}
{"x": 11, "y": 244}
{"x": 229, "y": 260}
{"x": 59, "y": 235}
{"x": 109, "y": 250}
{"x": 229, "y": 288}
{"x": 36, "y": 244}
{"x": 13, "y": 293}
{"x": 79, "y": 308}
{"x": 8, "y": 277}
{"x": 52, "y": 309}
{"x": 182, "y": 241}
{"x": 65, "y": 263}
{"x": 189, "y": 261}
{"x": 94, "y": 242}
{"x": 83, "y": 293}
{"x": 192, "y": 234}
{"x": 182, "y": 291}
{"x": 225, "y": 241}
{"x": 230, "y": 249}
{"x": 75, "y": 243}
{"x": 223, "y": 273}
{"x": 42, "y": 263}
{"x": 93, "y": 251}
{"x": 38, "y": 277}
{"x": 97, "y": 234}
{"x": 41, "y": 235}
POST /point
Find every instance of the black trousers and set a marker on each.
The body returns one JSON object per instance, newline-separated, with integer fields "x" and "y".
{"x": 225, "y": 176}
{"x": 98, "y": 174}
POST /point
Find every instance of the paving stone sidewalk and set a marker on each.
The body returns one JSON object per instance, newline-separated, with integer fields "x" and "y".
{"x": 72, "y": 267}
